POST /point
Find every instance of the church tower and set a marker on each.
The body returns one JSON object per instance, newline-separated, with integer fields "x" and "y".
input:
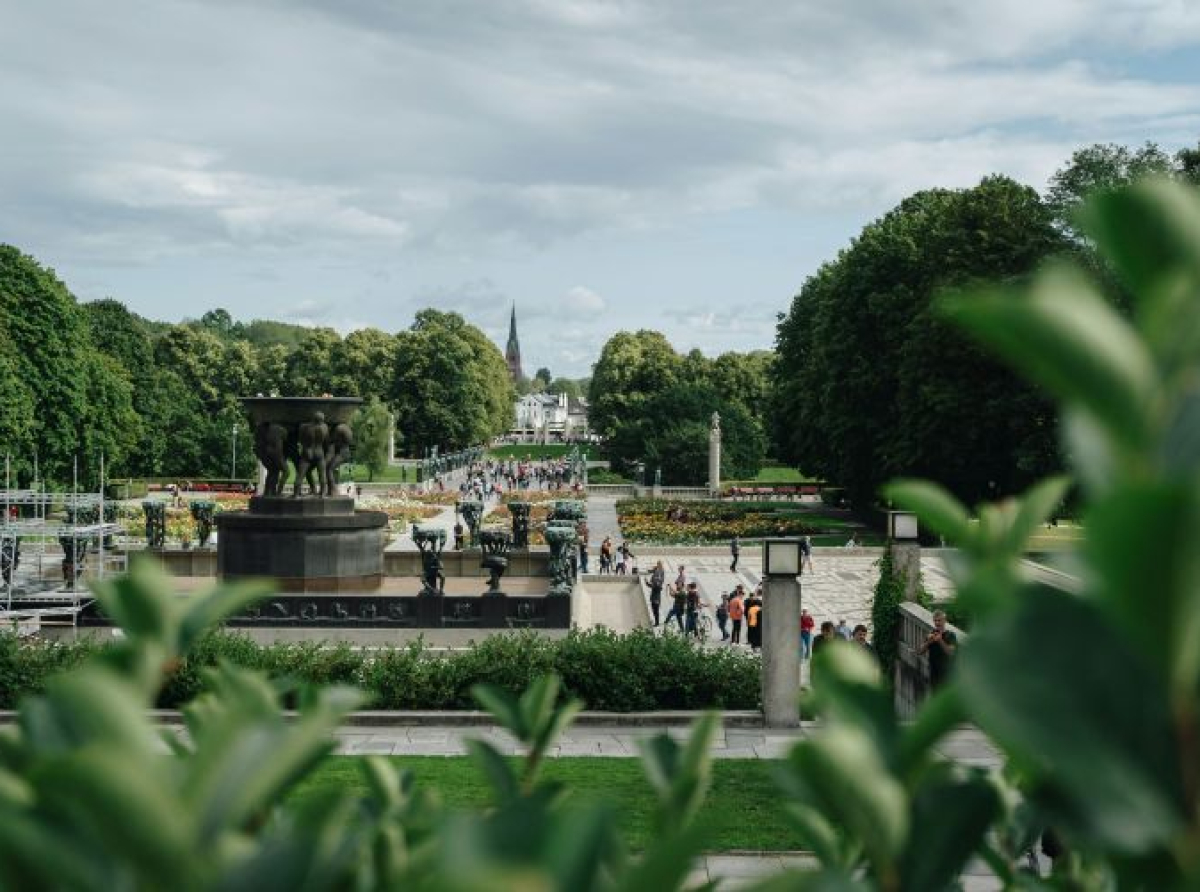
{"x": 512, "y": 352}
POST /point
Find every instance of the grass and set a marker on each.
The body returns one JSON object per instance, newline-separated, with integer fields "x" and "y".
{"x": 743, "y": 809}
{"x": 389, "y": 474}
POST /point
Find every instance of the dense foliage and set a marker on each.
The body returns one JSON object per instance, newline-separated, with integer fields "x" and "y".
{"x": 161, "y": 400}
{"x": 655, "y": 406}
{"x": 608, "y": 672}
{"x": 871, "y": 383}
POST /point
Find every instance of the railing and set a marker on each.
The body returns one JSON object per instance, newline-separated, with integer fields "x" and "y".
{"x": 912, "y": 668}
{"x": 611, "y": 489}
{"x": 684, "y": 492}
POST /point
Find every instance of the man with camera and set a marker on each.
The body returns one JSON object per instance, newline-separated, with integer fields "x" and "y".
{"x": 941, "y": 645}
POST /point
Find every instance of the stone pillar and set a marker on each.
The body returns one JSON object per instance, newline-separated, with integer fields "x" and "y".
{"x": 714, "y": 456}
{"x": 391, "y": 439}
{"x": 906, "y": 558}
{"x": 262, "y": 479}
{"x": 781, "y": 651}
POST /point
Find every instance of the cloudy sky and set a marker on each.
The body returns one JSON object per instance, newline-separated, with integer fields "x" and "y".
{"x": 679, "y": 165}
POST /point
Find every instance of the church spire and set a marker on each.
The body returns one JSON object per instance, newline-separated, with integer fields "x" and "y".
{"x": 512, "y": 351}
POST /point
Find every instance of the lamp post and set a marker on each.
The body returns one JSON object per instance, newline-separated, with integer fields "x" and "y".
{"x": 233, "y": 456}
{"x": 780, "y": 619}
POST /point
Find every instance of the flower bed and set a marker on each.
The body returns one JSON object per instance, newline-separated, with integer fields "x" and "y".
{"x": 665, "y": 522}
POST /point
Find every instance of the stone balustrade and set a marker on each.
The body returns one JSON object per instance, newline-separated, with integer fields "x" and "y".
{"x": 911, "y": 683}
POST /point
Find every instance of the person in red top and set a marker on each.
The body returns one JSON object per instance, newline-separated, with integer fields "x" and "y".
{"x": 807, "y": 624}
{"x": 737, "y": 610}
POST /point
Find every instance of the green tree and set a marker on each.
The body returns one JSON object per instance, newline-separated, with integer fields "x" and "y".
{"x": 49, "y": 346}
{"x": 673, "y": 432}
{"x": 1097, "y": 169}
{"x": 1187, "y": 162}
{"x": 567, "y": 386}
{"x": 655, "y": 406}
{"x": 311, "y": 366}
{"x": 218, "y": 322}
{"x": 451, "y": 387}
{"x": 870, "y": 384}
{"x": 364, "y": 364}
{"x": 372, "y": 425}
{"x": 110, "y": 427}
{"x": 633, "y": 368}
{"x": 745, "y": 378}
{"x": 16, "y": 411}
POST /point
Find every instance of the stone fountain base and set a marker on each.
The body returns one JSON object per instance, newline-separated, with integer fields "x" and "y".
{"x": 304, "y": 544}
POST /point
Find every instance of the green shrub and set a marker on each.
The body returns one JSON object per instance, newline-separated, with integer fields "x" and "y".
{"x": 606, "y": 671}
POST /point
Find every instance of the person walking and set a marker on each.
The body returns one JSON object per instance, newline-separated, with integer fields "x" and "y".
{"x": 807, "y": 624}
{"x": 692, "y": 606}
{"x": 583, "y": 555}
{"x": 678, "y": 606}
{"x": 723, "y": 616}
{"x": 806, "y": 553}
{"x": 658, "y": 578}
{"x": 754, "y": 621}
{"x": 735, "y": 549}
{"x": 737, "y": 610}
{"x": 606, "y": 556}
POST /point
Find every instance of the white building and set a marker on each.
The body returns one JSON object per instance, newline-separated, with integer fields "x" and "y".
{"x": 549, "y": 418}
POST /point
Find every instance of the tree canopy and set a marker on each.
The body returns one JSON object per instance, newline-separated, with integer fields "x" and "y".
{"x": 654, "y": 406}
{"x": 870, "y": 383}
{"x": 451, "y": 387}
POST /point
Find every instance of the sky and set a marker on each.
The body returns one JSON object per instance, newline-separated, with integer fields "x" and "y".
{"x": 680, "y": 165}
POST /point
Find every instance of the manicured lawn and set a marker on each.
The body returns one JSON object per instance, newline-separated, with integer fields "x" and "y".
{"x": 744, "y": 809}
{"x": 389, "y": 474}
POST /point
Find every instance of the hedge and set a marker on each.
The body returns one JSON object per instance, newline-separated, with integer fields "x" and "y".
{"x": 639, "y": 671}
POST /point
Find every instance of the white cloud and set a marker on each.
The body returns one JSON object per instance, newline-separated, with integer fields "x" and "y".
{"x": 470, "y": 154}
{"x": 583, "y": 301}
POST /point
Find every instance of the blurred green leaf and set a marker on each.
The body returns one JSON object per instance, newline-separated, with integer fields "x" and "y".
{"x": 950, "y": 818}
{"x": 1033, "y": 508}
{"x": 503, "y": 706}
{"x": 842, "y": 775}
{"x": 1142, "y": 540}
{"x": 1058, "y": 687}
{"x": 496, "y": 768}
{"x": 217, "y": 605}
{"x": 1150, "y": 233}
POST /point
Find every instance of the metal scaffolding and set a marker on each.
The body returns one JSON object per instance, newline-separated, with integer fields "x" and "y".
{"x": 46, "y": 541}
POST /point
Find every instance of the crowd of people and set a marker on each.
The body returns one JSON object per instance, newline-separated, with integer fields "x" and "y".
{"x": 494, "y": 477}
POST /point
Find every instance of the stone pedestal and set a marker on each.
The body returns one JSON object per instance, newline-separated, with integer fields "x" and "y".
{"x": 781, "y": 651}
{"x": 304, "y": 544}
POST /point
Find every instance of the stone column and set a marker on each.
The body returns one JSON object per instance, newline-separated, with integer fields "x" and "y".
{"x": 781, "y": 651}
{"x": 906, "y": 558}
{"x": 391, "y": 439}
{"x": 714, "y": 456}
